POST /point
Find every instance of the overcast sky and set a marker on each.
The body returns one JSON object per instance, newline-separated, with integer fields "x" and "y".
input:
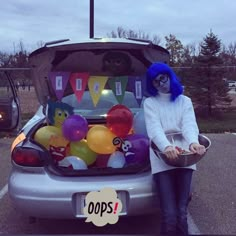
{"x": 34, "y": 21}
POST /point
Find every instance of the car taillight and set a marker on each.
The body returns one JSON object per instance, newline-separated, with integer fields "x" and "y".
{"x": 27, "y": 157}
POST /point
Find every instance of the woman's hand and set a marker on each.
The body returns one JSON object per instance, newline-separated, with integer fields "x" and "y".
{"x": 197, "y": 148}
{"x": 171, "y": 152}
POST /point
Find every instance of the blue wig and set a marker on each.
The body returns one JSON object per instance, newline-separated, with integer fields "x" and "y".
{"x": 154, "y": 70}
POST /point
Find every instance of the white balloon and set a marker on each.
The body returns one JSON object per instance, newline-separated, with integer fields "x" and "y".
{"x": 116, "y": 160}
{"x": 139, "y": 124}
{"x": 74, "y": 161}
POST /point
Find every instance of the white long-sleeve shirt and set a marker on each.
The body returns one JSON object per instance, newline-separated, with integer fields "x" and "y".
{"x": 164, "y": 116}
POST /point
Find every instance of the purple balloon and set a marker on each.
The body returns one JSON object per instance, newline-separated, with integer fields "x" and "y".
{"x": 75, "y": 128}
{"x": 136, "y": 148}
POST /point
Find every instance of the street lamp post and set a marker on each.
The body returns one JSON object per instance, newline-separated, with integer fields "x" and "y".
{"x": 91, "y": 17}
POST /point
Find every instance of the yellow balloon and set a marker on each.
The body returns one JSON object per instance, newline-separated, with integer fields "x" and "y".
{"x": 44, "y": 134}
{"x": 100, "y": 139}
{"x": 82, "y": 150}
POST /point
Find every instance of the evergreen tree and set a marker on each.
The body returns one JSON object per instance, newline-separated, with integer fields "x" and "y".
{"x": 208, "y": 89}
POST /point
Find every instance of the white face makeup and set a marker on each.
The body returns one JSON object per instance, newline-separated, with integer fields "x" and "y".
{"x": 162, "y": 83}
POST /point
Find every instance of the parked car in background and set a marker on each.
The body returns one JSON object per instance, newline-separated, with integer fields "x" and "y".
{"x": 88, "y": 132}
{"x": 231, "y": 83}
{"x": 9, "y": 102}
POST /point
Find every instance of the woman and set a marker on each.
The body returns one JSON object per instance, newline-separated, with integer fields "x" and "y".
{"x": 167, "y": 110}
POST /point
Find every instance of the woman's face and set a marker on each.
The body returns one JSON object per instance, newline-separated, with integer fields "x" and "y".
{"x": 162, "y": 83}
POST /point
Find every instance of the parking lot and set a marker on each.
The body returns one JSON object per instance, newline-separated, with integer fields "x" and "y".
{"x": 212, "y": 209}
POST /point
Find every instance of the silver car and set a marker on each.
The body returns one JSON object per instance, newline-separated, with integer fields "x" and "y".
{"x": 42, "y": 186}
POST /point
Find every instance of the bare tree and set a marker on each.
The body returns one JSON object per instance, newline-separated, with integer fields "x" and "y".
{"x": 189, "y": 54}
{"x": 5, "y": 59}
{"x": 120, "y": 32}
{"x": 40, "y": 44}
{"x": 176, "y": 49}
{"x": 232, "y": 52}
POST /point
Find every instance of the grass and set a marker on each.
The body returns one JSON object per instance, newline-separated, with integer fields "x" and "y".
{"x": 26, "y": 116}
{"x": 212, "y": 125}
{"x": 226, "y": 123}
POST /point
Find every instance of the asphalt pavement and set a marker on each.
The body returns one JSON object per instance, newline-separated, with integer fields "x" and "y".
{"x": 212, "y": 209}
{"x": 214, "y": 201}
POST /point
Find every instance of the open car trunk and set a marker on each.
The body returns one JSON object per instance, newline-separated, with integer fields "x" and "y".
{"x": 102, "y": 83}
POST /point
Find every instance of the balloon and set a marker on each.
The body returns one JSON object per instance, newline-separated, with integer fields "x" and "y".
{"x": 75, "y": 127}
{"x": 72, "y": 161}
{"x": 119, "y": 120}
{"x": 116, "y": 160}
{"x": 100, "y": 139}
{"x": 139, "y": 125}
{"x": 101, "y": 160}
{"x": 82, "y": 150}
{"x": 136, "y": 148}
{"x": 44, "y": 134}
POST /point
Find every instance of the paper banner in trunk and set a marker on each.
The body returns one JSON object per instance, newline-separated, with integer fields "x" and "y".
{"x": 137, "y": 85}
{"x": 96, "y": 84}
{"x": 78, "y": 83}
{"x": 118, "y": 86}
{"x": 59, "y": 82}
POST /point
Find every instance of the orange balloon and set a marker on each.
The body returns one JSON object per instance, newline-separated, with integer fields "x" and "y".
{"x": 100, "y": 140}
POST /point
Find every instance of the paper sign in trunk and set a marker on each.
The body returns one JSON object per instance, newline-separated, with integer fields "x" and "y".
{"x": 96, "y": 84}
{"x": 59, "y": 82}
{"x": 78, "y": 83}
{"x": 137, "y": 85}
{"x": 118, "y": 86}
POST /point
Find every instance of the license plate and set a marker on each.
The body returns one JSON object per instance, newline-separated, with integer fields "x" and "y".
{"x": 121, "y": 195}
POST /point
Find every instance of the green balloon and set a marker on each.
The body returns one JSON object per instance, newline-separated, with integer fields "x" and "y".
{"x": 82, "y": 150}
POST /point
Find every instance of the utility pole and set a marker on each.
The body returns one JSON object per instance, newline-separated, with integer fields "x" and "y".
{"x": 91, "y": 17}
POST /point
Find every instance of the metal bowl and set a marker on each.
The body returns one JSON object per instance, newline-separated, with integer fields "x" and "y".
{"x": 186, "y": 159}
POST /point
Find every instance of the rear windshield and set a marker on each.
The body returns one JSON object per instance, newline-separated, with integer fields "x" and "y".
{"x": 106, "y": 101}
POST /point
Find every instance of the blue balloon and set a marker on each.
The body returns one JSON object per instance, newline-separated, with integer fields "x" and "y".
{"x": 74, "y": 162}
{"x": 116, "y": 160}
{"x": 139, "y": 125}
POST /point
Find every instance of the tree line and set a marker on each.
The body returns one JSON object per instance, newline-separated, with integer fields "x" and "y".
{"x": 202, "y": 68}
